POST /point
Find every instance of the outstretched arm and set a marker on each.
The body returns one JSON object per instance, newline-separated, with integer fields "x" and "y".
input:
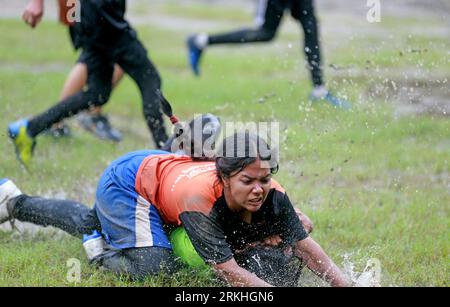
{"x": 237, "y": 276}
{"x": 306, "y": 221}
{"x": 318, "y": 262}
{"x": 33, "y": 12}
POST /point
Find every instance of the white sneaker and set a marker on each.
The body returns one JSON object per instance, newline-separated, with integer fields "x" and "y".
{"x": 8, "y": 190}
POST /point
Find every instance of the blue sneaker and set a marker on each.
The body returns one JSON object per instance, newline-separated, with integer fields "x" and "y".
{"x": 337, "y": 102}
{"x": 23, "y": 143}
{"x": 8, "y": 191}
{"x": 195, "y": 54}
{"x": 333, "y": 100}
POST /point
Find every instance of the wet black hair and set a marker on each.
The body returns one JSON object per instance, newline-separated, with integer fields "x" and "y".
{"x": 242, "y": 149}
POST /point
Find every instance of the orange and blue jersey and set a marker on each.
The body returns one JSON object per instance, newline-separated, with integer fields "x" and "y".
{"x": 128, "y": 220}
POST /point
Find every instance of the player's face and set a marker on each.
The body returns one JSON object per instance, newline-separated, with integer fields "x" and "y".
{"x": 249, "y": 188}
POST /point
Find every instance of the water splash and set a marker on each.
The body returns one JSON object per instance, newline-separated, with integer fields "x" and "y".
{"x": 369, "y": 277}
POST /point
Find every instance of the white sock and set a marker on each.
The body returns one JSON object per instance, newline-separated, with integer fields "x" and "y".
{"x": 319, "y": 92}
{"x": 8, "y": 191}
{"x": 201, "y": 40}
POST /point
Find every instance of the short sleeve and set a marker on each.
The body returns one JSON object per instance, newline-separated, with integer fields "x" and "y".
{"x": 292, "y": 229}
{"x": 207, "y": 237}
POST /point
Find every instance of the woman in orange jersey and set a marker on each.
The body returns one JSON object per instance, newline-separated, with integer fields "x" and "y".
{"x": 239, "y": 219}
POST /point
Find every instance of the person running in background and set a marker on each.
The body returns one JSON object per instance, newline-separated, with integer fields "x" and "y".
{"x": 93, "y": 121}
{"x": 107, "y": 39}
{"x": 239, "y": 220}
{"x": 269, "y": 16}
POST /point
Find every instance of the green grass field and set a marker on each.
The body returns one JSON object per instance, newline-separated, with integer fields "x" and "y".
{"x": 374, "y": 180}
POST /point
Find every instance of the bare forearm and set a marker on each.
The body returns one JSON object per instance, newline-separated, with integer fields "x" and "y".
{"x": 239, "y": 277}
{"x": 327, "y": 270}
{"x": 305, "y": 220}
{"x": 318, "y": 262}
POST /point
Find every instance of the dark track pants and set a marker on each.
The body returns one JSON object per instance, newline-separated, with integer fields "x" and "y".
{"x": 131, "y": 55}
{"x": 302, "y": 11}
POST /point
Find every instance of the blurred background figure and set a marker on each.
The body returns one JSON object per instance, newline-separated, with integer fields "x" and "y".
{"x": 106, "y": 38}
{"x": 93, "y": 121}
{"x": 269, "y": 16}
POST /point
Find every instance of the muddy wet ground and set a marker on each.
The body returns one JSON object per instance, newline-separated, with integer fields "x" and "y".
{"x": 419, "y": 95}
{"x": 414, "y": 97}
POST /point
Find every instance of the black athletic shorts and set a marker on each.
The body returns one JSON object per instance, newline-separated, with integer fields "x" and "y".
{"x": 84, "y": 57}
